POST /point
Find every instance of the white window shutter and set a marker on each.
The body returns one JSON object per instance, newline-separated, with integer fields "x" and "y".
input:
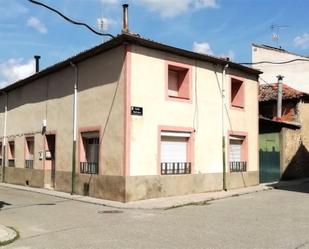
{"x": 174, "y": 149}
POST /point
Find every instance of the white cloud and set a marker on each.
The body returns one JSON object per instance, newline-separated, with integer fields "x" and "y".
{"x": 12, "y": 9}
{"x": 302, "y": 41}
{"x": 202, "y": 48}
{"x": 171, "y": 8}
{"x": 167, "y": 8}
{"x": 15, "y": 69}
{"x": 36, "y": 24}
{"x": 105, "y": 23}
{"x": 199, "y": 4}
{"x": 111, "y": 2}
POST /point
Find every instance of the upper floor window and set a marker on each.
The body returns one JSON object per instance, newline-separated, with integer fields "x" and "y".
{"x": 237, "y": 93}
{"x": 178, "y": 82}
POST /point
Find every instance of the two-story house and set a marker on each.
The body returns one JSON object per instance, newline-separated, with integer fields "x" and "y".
{"x": 132, "y": 119}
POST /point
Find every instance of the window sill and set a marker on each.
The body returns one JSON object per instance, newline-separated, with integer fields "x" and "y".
{"x": 238, "y": 107}
{"x": 179, "y": 99}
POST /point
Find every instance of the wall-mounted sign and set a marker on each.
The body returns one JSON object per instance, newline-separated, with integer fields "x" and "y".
{"x": 136, "y": 110}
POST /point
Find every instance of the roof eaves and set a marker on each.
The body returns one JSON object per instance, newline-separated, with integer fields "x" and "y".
{"x": 190, "y": 54}
{"x": 281, "y": 123}
{"x": 74, "y": 59}
{"x": 133, "y": 39}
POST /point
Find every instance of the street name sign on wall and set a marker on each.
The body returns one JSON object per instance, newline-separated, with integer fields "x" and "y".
{"x": 136, "y": 110}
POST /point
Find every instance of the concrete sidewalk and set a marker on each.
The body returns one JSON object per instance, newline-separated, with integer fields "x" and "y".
{"x": 157, "y": 203}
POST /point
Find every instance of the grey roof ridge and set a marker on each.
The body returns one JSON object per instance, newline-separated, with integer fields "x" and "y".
{"x": 278, "y": 49}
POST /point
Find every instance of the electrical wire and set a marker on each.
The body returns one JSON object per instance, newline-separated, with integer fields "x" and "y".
{"x": 271, "y": 62}
{"x": 70, "y": 20}
{"x": 260, "y": 78}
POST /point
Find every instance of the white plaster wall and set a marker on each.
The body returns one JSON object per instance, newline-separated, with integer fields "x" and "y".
{"x": 148, "y": 91}
{"x": 296, "y": 74}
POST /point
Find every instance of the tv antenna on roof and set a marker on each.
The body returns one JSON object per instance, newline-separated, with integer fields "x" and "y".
{"x": 102, "y": 22}
{"x": 275, "y": 32}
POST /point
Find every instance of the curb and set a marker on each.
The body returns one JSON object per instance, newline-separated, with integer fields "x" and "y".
{"x": 7, "y": 235}
{"x": 149, "y": 204}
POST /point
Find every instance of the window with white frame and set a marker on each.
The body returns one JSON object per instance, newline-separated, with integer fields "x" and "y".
{"x": 174, "y": 148}
{"x": 237, "y": 153}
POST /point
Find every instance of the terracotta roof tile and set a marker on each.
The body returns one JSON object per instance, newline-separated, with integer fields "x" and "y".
{"x": 269, "y": 92}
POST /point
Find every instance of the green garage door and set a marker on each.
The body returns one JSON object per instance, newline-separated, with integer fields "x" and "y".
{"x": 269, "y": 157}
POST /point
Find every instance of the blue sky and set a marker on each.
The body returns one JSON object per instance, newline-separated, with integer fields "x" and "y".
{"x": 218, "y": 27}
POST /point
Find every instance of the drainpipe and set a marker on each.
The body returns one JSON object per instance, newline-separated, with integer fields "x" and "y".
{"x": 279, "y": 99}
{"x": 74, "y": 127}
{"x": 223, "y": 126}
{"x": 4, "y": 137}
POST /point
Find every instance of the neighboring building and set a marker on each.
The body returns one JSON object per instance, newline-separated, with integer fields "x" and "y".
{"x": 284, "y": 144}
{"x": 150, "y": 123}
{"x": 296, "y": 72}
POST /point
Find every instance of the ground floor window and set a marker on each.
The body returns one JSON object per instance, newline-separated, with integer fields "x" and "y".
{"x": 29, "y": 152}
{"x": 175, "y": 153}
{"x": 11, "y": 154}
{"x": 237, "y": 153}
{"x": 89, "y": 152}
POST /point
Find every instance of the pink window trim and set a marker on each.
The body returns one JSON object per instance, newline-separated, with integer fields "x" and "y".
{"x": 244, "y": 147}
{"x": 10, "y": 154}
{"x": 185, "y": 90}
{"x": 239, "y": 104}
{"x": 190, "y": 147}
{"x": 80, "y": 145}
{"x": 26, "y": 149}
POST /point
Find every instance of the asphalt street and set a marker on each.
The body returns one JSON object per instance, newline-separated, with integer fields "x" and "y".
{"x": 268, "y": 219}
